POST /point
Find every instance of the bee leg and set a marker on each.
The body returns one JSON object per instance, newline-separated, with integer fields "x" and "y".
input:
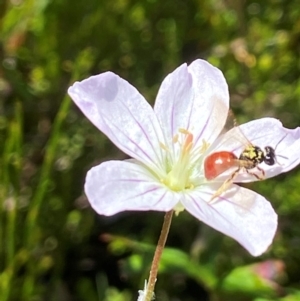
{"x": 224, "y": 186}
{"x": 258, "y": 177}
{"x": 262, "y": 172}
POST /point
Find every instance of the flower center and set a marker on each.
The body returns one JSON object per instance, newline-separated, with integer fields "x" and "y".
{"x": 183, "y": 162}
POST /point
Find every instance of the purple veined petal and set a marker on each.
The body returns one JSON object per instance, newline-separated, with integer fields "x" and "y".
{"x": 289, "y": 152}
{"x": 194, "y": 98}
{"x": 241, "y": 214}
{"x": 116, "y": 186}
{"x": 209, "y": 86}
{"x": 122, "y": 114}
{"x": 262, "y": 132}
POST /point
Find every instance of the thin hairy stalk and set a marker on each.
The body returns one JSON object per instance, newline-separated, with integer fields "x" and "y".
{"x": 157, "y": 255}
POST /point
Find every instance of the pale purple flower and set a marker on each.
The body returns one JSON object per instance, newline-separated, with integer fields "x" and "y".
{"x": 168, "y": 144}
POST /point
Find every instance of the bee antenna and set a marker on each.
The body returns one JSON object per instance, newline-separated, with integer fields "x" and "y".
{"x": 276, "y": 148}
{"x": 280, "y": 157}
{"x": 280, "y": 141}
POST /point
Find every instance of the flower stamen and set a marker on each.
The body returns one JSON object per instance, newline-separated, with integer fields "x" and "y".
{"x": 163, "y": 146}
{"x": 178, "y": 177}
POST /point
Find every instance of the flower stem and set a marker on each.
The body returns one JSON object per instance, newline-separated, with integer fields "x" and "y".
{"x": 157, "y": 255}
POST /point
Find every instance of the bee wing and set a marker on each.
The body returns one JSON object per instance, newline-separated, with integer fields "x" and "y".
{"x": 233, "y": 140}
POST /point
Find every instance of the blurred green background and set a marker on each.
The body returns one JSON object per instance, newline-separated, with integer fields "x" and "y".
{"x": 52, "y": 245}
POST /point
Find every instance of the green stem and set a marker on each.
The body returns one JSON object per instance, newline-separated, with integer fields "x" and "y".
{"x": 157, "y": 255}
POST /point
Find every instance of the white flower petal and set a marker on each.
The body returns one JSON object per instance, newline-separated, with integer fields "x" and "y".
{"x": 288, "y": 154}
{"x": 116, "y": 186}
{"x": 241, "y": 214}
{"x": 194, "y": 98}
{"x": 262, "y": 132}
{"x": 121, "y": 113}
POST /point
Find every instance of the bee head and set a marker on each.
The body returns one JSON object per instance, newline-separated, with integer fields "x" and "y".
{"x": 269, "y": 156}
